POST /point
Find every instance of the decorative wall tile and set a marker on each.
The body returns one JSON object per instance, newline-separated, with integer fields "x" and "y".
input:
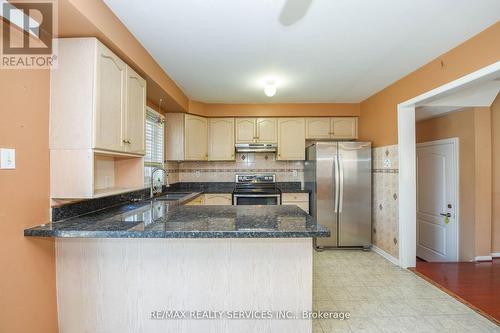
{"x": 225, "y": 171}
{"x": 385, "y": 218}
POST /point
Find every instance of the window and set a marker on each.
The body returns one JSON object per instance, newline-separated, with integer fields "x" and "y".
{"x": 155, "y": 124}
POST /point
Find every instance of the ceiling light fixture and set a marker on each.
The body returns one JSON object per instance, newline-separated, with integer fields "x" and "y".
{"x": 270, "y": 89}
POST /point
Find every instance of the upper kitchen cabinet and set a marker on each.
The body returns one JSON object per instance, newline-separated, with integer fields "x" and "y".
{"x": 256, "y": 130}
{"x": 318, "y": 128}
{"x": 291, "y": 139}
{"x": 345, "y": 128}
{"x": 97, "y": 101}
{"x": 267, "y": 130}
{"x": 221, "y": 139}
{"x": 245, "y": 130}
{"x": 195, "y": 138}
{"x": 110, "y": 101}
{"x": 136, "y": 113}
{"x": 333, "y": 128}
{"x": 97, "y": 120}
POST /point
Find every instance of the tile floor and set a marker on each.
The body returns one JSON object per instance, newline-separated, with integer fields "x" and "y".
{"x": 382, "y": 297}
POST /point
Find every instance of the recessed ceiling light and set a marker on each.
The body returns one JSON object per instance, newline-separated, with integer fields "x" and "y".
{"x": 270, "y": 89}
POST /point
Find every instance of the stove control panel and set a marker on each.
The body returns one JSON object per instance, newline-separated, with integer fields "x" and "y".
{"x": 267, "y": 178}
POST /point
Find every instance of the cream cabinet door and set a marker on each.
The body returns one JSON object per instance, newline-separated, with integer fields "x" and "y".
{"x": 221, "y": 139}
{"x": 195, "y": 138}
{"x": 318, "y": 128}
{"x": 245, "y": 130}
{"x": 196, "y": 201}
{"x": 217, "y": 199}
{"x": 267, "y": 130}
{"x": 110, "y": 101}
{"x": 291, "y": 139}
{"x": 136, "y": 112}
{"x": 344, "y": 128}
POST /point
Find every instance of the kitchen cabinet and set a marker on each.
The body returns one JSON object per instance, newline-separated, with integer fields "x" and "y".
{"x": 196, "y": 201}
{"x": 97, "y": 120}
{"x": 345, "y": 128}
{"x": 267, "y": 130}
{"x": 256, "y": 130}
{"x": 217, "y": 199}
{"x": 195, "y": 138}
{"x": 245, "y": 130}
{"x": 299, "y": 199}
{"x": 211, "y": 199}
{"x": 174, "y": 136}
{"x": 221, "y": 139}
{"x": 318, "y": 128}
{"x": 334, "y": 128}
{"x": 291, "y": 139}
{"x": 136, "y": 113}
{"x": 110, "y": 101}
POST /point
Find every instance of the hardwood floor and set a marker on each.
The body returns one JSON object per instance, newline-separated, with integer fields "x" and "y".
{"x": 477, "y": 283}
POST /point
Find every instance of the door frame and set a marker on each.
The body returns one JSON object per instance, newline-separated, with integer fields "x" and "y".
{"x": 455, "y": 142}
{"x": 407, "y": 156}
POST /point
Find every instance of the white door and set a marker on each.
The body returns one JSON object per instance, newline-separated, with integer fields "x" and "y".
{"x": 437, "y": 200}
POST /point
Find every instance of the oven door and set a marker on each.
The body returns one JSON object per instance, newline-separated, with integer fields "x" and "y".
{"x": 256, "y": 199}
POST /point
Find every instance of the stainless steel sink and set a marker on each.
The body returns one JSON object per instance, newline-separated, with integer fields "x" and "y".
{"x": 174, "y": 196}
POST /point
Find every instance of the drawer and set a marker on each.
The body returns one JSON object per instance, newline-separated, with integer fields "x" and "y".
{"x": 285, "y": 197}
{"x": 304, "y": 205}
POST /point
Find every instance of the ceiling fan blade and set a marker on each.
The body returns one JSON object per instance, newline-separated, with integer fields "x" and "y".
{"x": 293, "y": 11}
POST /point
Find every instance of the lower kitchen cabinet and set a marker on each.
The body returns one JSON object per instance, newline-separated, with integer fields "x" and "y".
{"x": 218, "y": 199}
{"x": 299, "y": 199}
{"x": 212, "y": 199}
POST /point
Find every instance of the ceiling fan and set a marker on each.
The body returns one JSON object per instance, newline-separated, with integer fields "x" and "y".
{"x": 293, "y": 11}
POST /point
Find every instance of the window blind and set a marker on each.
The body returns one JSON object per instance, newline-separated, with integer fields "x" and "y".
{"x": 155, "y": 124}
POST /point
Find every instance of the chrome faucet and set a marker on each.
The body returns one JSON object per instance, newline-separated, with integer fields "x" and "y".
{"x": 151, "y": 193}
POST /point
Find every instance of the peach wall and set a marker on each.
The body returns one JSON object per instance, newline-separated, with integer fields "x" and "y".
{"x": 482, "y": 200}
{"x": 27, "y": 278}
{"x": 275, "y": 110}
{"x": 378, "y": 121}
{"x": 495, "y": 132}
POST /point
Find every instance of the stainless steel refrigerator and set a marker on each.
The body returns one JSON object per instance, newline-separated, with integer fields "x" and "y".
{"x": 338, "y": 174}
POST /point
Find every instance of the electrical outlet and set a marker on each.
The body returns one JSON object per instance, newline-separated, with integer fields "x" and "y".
{"x": 197, "y": 174}
{"x": 7, "y": 158}
{"x": 387, "y": 163}
{"x": 295, "y": 173}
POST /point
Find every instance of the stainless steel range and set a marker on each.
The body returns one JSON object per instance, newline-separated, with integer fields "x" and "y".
{"x": 256, "y": 189}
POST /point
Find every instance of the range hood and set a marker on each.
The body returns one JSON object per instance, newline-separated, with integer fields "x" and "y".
{"x": 256, "y": 147}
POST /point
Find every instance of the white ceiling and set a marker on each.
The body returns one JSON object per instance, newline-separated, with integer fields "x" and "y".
{"x": 341, "y": 51}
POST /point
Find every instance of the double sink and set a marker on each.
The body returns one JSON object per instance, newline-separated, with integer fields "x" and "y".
{"x": 173, "y": 196}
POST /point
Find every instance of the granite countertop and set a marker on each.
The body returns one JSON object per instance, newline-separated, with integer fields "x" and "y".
{"x": 167, "y": 219}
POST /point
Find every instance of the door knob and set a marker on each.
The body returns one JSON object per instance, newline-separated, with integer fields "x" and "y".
{"x": 446, "y": 214}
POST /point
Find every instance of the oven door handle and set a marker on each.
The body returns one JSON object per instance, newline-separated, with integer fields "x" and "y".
{"x": 256, "y": 195}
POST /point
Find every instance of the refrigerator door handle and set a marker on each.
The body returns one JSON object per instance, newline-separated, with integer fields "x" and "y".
{"x": 336, "y": 184}
{"x": 341, "y": 183}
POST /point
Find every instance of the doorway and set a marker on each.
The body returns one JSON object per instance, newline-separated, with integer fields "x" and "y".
{"x": 437, "y": 200}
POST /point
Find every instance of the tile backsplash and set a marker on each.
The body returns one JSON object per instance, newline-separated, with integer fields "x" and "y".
{"x": 385, "y": 219}
{"x": 225, "y": 171}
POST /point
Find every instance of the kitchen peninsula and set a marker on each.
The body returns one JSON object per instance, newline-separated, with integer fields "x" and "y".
{"x": 119, "y": 269}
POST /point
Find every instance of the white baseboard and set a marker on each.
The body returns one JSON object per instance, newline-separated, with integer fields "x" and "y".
{"x": 483, "y": 258}
{"x": 386, "y": 255}
{"x": 495, "y": 255}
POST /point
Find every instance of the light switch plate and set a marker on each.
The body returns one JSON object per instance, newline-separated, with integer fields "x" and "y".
{"x": 7, "y": 158}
